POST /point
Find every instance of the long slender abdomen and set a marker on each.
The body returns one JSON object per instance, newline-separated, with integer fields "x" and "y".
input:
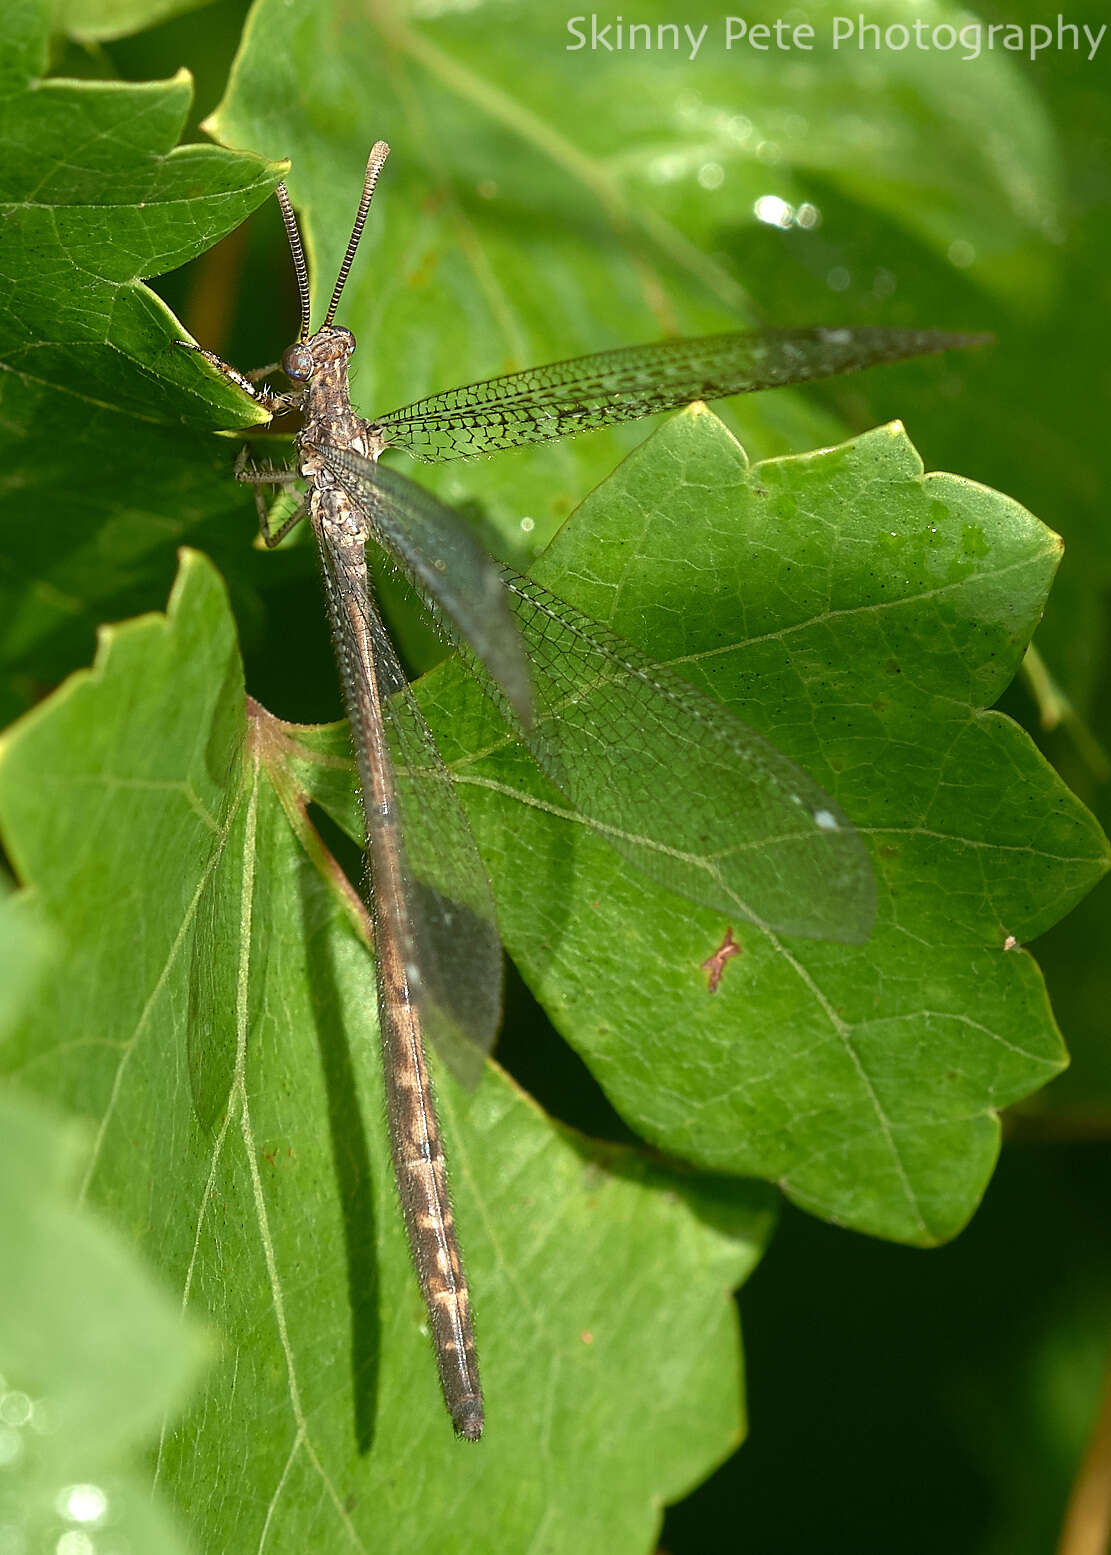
{"x": 418, "y": 1152}
{"x": 422, "y": 1184}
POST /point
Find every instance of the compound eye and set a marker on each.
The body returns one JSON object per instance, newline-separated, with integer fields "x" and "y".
{"x": 297, "y": 363}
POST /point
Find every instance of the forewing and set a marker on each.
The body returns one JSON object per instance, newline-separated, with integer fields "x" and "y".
{"x": 670, "y": 778}
{"x": 596, "y": 391}
{"x": 448, "y": 924}
{"x": 444, "y": 561}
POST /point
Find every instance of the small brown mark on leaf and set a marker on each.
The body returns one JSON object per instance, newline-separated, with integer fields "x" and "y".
{"x": 714, "y": 965}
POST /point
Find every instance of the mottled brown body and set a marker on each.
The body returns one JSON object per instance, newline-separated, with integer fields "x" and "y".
{"x": 317, "y": 365}
{"x": 418, "y": 1152}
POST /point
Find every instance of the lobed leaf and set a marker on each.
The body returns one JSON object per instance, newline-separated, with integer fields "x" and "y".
{"x": 861, "y": 616}
{"x": 228, "y": 1059}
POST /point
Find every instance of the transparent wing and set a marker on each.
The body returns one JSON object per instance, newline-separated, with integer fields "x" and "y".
{"x": 596, "y": 391}
{"x": 672, "y": 780}
{"x": 679, "y": 786}
{"x": 420, "y": 846}
{"x": 446, "y": 563}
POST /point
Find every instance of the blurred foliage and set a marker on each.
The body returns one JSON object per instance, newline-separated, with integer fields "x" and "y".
{"x": 95, "y": 1359}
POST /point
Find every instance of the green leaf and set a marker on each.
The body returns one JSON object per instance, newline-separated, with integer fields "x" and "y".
{"x": 80, "y": 231}
{"x": 94, "y": 194}
{"x": 91, "y": 21}
{"x": 94, "y": 1358}
{"x": 236, "y": 1089}
{"x": 862, "y": 616}
{"x": 24, "y": 947}
{"x": 915, "y": 148}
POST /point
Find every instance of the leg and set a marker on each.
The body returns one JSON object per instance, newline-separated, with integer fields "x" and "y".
{"x": 274, "y": 403}
{"x": 273, "y": 537}
{"x": 260, "y": 478}
{"x": 267, "y": 477}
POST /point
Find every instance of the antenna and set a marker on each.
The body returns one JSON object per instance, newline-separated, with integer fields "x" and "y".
{"x": 299, "y": 265}
{"x": 378, "y": 154}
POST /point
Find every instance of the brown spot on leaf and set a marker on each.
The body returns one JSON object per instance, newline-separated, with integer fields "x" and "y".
{"x": 714, "y": 965}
